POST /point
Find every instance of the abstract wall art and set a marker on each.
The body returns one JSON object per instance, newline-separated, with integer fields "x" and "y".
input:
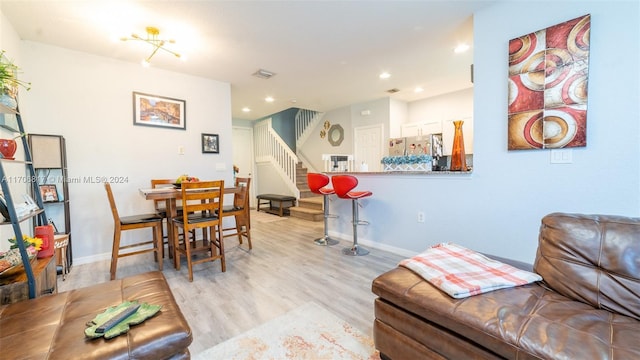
{"x": 548, "y": 72}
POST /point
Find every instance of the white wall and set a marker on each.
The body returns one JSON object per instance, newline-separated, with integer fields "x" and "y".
{"x": 455, "y": 105}
{"x": 399, "y": 114}
{"x": 88, "y": 100}
{"x": 498, "y": 208}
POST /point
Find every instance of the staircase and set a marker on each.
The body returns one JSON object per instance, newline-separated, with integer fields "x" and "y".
{"x": 309, "y": 205}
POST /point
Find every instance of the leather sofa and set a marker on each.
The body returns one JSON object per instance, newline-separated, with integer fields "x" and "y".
{"x": 52, "y": 327}
{"x": 586, "y": 307}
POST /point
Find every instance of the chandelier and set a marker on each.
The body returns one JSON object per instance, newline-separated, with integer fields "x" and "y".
{"x": 154, "y": 41}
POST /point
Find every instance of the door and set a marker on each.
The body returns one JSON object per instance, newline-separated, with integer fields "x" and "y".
{"x": 243, "y": 156}
{"x": 368, "y": 145}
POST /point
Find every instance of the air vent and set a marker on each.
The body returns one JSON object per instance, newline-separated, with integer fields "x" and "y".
{"x": 263, "y": 74}
{"x": 393, "y": 91}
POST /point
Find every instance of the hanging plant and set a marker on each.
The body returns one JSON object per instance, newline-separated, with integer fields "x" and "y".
{"x": 9, "y": 82}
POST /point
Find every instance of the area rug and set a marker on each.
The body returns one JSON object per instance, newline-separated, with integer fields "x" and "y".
{"x": 264, "y": 217}
{"x": 308, "y": 332}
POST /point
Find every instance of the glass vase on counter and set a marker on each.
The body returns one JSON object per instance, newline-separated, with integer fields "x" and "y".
{"x": 458, "y": 157}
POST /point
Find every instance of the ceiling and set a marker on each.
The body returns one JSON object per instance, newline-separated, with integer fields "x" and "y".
{"x": 325, "y": 54}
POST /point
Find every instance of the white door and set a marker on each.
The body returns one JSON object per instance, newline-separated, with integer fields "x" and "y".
{"x": 368, "y": 145}
{"x": 243, "y": 156}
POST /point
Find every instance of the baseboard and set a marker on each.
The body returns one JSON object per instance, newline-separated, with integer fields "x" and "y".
{"x": 373, "y": 245}
{"x": 91, "y": 259}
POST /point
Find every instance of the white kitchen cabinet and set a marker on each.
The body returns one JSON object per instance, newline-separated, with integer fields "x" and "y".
{"x": 421, "y": 128}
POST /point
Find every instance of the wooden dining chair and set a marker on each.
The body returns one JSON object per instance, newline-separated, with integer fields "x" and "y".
{"x": 134, "y": 222}
{"x": 240, "y": 211}
{"x": 201, "y": 204}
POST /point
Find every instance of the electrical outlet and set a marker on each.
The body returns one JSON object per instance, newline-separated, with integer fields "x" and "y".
{"x": 420, "y": 216}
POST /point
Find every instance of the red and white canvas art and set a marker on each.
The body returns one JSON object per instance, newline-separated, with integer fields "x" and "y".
{"x": 548, "y": 73}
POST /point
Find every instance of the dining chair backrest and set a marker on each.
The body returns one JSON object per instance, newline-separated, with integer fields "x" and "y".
{"x": 203, "y": 197}
{"x": 112, "y": 203}
{"x": 241, "y": 198}
{"x": 159, "y": 205}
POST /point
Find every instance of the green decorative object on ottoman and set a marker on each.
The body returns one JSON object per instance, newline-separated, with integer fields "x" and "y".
{"x": 144, "y": 312}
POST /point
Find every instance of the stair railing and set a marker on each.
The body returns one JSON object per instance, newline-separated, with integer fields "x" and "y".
{"x": 269, "y": 147}
{"x": 305, "y": 122}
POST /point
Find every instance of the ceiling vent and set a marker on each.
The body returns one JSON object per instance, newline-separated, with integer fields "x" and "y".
{"x": 263, "y": 74}
{"x": 393, "y": 91}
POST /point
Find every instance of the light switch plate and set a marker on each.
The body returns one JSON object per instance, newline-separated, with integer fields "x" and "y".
{"x": 561, "y": 156}
{"x": 221, "y": 166}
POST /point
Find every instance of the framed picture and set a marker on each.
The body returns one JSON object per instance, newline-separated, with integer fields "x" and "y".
{"x": 153, "y": 110}
{"x": 210, "y": 143}
{"x": 49, "y": 193}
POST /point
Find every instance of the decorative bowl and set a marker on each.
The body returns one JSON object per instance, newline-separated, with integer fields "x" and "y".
{"x": 17, "y": 268}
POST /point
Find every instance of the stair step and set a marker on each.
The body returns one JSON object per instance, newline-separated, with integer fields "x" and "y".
{"x": 315, "y": 202}
{"x": 305, "y": 194}
{"x": 306, "y": 213}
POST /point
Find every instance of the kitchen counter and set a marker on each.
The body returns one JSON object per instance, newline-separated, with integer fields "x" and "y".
{"x": 429, "y": 173}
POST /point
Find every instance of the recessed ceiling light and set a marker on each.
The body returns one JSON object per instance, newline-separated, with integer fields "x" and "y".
{"x": 418, "y": 90}
{"x": 245, "y": 109}
{"x": 269, "y": 99}
{"x": 385, "y": 75}
{"x": 461, "y": 48}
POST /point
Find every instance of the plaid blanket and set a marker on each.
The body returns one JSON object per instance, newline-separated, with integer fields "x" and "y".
{"x": 461, "y": 272}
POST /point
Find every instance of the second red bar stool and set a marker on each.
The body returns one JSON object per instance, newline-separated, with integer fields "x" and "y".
{"x": 318, "y": 185}
{"x": 343, "y": 186}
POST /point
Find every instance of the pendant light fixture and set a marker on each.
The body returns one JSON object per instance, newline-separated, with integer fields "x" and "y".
{"x": 153, "y": 39}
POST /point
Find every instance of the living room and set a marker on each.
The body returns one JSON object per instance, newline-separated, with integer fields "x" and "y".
{"x": 497, "y": 209}
{"x": 73, "y": 94}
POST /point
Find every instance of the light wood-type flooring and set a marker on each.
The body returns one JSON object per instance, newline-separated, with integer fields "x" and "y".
{"x": 284, "y": 270}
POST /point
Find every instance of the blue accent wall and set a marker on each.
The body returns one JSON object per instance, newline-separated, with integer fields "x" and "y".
{"x": 284, "y": 123}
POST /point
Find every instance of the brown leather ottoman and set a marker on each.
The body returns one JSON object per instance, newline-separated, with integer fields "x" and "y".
{"x": 52, "y": 327}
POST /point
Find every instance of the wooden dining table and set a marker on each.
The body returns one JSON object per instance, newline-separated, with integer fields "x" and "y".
{"x": 169, "y": 194}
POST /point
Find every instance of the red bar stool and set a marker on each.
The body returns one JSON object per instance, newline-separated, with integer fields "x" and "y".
{"x": 318, "y": 185}
{"x": 343, "y": 184}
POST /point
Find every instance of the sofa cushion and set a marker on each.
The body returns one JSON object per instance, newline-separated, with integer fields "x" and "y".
{"x": 528, "y": 322}
{"x": 594, "y": 259}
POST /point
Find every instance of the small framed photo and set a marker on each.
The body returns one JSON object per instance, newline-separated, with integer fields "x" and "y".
{"x": 210, "y": 143}
{"x": 49, "y": 193}
{"x": 153, "y": 110}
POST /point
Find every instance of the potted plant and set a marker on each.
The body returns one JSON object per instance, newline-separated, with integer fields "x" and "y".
{"x": 9, "y": 82}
